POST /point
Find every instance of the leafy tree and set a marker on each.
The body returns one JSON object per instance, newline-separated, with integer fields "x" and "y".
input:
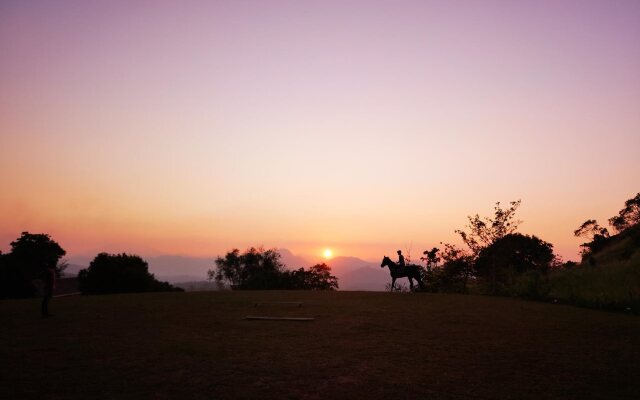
{"x": 30, "y": 255}
{"x": 590, "y": 229}
{"x": 36, "y": 252}
{"x": 431, "y": 258}
{"x": 427, "y": 274}
{"x": 317, "y": 277}
{"x": 485, "y": 231}
{"x": 500, "y": 263}
{"x": 256, "y": 268}
{"x": 120, "y": 273}
{"x": 457, "y": 268}
{"x": 450, "y": 276}
{"x": 628, "y": 216}
{"x": 596, "y": 235}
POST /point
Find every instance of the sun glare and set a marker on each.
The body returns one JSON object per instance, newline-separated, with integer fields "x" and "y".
{"x": 327, "y": 253}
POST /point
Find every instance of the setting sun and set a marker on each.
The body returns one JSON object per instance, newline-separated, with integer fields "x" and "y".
{"x": 328, "y": 253}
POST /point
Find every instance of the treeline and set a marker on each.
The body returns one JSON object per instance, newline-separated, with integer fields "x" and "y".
{"x": 495, "y": 259}
{"x": 259, "y": 268}
{"x": 32, "y": 254}
{"x": 25, "y": 266}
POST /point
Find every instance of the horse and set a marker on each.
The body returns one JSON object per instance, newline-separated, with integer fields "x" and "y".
{"x": 408, "y": 271}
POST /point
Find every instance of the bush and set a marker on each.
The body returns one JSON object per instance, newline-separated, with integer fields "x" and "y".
{"x": 532, "y": 285}
{"x": 120, "y": 273}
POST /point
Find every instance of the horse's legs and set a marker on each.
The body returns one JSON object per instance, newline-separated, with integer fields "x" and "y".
{"x": 420, "y": 282}
{"x": 410, "y": 283}
{"x": 393, "y": 283}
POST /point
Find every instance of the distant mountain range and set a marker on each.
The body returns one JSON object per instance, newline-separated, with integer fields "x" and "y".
{"x": 353, "y": 273}
{"x": 356, "y": 274}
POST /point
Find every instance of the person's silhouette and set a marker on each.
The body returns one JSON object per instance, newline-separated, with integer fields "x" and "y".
{"x": 400, "y": 259}
{"x": 49, "y": 284}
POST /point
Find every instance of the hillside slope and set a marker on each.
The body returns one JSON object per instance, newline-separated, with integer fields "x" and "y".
{"x": 609, "y": 278}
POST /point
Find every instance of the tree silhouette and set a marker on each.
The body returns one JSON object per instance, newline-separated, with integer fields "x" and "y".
{"x": 501, "y": 262}
{"x": 30, "y": 256}
{"x": 485, "y": 231}
{"x": 317, "y": 277}
{"x": 457, "y": 267}
{"x": 590, "y": 229}
{"x": 431, "y": 258}
{"x": 119, "y": 273}
{"x": 458, "y": 264}
{"x": 628, "y": 216}
{"x": 596, "y": 235}
{"x": 258, "y": 268}
{"x": 452, "y": 275}
{"x": 36, "y": 252}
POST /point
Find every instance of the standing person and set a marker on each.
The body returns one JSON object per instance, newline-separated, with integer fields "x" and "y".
{"x": 400, "y": 259}
{"x": 49, "y": 285}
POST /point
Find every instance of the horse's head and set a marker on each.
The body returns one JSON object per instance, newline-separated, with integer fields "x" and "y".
{"x": 386, "y": 261}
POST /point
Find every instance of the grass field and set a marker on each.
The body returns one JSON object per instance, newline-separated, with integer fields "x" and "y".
{"x": 361, "y": 345}
{"x": 613, "y": 282}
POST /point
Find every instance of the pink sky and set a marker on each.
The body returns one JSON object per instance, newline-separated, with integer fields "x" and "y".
{"x": 190, "y": 127}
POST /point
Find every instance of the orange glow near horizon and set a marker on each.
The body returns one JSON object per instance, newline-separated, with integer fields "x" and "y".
{"x": 327, "y": 253}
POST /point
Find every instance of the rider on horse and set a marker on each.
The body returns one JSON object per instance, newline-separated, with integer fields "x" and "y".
{"x": 401, "y": 263}
{"x": 400, "y": 259}
{"x": 401, "y": 270}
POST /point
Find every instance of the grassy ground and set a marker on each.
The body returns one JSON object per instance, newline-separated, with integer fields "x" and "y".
{"x": 361, "y": 345}
{"x": 612, "y": 282}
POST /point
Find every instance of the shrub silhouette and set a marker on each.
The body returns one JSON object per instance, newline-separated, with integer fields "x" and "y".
{"x": 120, "y": 273}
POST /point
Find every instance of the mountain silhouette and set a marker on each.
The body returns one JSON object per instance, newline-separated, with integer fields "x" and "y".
{"x": 293, "y": 261}
{"x": 356, "y": 274}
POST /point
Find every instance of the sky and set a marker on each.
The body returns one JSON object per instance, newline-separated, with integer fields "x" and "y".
{"x": 193, "y": 127}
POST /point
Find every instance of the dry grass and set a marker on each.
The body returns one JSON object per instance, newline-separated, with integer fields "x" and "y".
{"x": 361, "y": 345}
{"x": 612, "y": 283}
